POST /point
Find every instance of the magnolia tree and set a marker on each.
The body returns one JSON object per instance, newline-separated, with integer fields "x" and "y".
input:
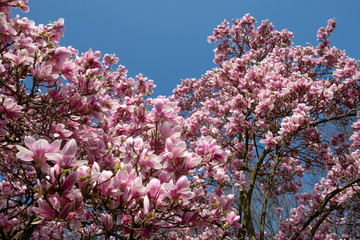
{"x": 283, "y": 116}
{"x": 258, "y": 148}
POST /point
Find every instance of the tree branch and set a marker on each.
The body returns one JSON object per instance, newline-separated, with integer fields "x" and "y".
{"x": 350, "y": 113}
{"x": 322, "y": 206}
{"x": 247, "y": 210}
{"x": 266, "y": 197}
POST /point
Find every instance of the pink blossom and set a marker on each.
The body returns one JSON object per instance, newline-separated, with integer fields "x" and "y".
{"x": 207, "y": 148}
{"x": 146, "y": 158}
{"x": 23, "y": 57}
{"x": 37, "y": 149}
{"x": 110, "y": 59}
{"x": 179, "y": 190}
{"x": 59, "y": 56}
{"x": 146, "y": 205}
{"x": 175, "y": 150}
{"x": 44, "y": 210}
{"x": 69, "y": 182}
{"x": 69, "y": 71}
{"x": 233, "y": 220}
{"x": 10, "y": 107}
{"x": 107, "y": 220}
{"x": 61, "y": 131}
{"x": 6, "y": 28}
{"x": 44, "y": 72}
{"x": 66, "y": 156}
{"x": 269, "y": 140}
{"x": 23, "y": 5}
{"x": 159, "y": 103}
{"x": 65, "y": 211}
{"x": 56, "y": 30}
{"x": 106, "y": 160}
{"x": 106, "y": 182}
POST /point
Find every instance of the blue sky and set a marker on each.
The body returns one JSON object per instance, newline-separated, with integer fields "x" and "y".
{"x": 167, "y": 40}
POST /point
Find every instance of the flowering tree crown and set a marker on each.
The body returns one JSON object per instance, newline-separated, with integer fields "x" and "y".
{"x": 263, "y": 146}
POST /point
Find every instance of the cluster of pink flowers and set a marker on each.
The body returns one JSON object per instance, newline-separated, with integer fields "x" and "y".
{"x": 86, "y": 156}
{"x": 283, "y": 116}
{"x": 265, "y": 146}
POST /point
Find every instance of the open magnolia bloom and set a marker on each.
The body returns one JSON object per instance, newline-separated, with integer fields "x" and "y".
{"x": 36, "y": 151}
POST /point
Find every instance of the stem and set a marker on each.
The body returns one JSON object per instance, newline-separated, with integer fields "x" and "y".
{"x": 318, "y": 223}
{"x": 240, "y": 213}
{"x": 3, "y": 233}
{"x": 28, "y": 231}
{"x": 266, "y": 197}
{"x": 247, "y": 197}
{"x": 350, "y": 113}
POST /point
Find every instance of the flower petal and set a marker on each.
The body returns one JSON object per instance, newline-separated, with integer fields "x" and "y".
{"x": 69, "y": 182}
{"x": 24, "y": 154}
{"x": 70, "y": 148}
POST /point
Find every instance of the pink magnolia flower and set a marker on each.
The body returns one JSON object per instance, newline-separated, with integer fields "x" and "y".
{"x": 44, "y": 72}
{"x": 83, "y": 172}
{"x": 36, "y": 150}
{"x": 90, "y": 60}
{"x": 69, "y": 71}
{"x": 188, "y": 217}
{"x": 145, "y": 233}
{"x": 146, "y": 205}
{"x": 138, "y": 189}
{"x": 174, "y": 150}
{"x": 219, "y": 174}
{"x": 23, "y": 5}
{"x": 106, "y": 182}
{"x": 5, "y": 28}
{"x": 159, "y": 104}
{"x": 192, "y": 160}
{"x": 156, "y": 191}
{"x": 54, "y": 172}
{"x": 151, "y": 160}
{"x": 22, "y": 57}
{"x": 208, "y": 149}
{"x": 66, "y": 156}
{"x": 233, "y": 219}
{"x": 110, "y": 59}
{"x": 107, "y": 220}
{"x": 65, "y": 211}
{"x": 56, "y": 30}
{"x": 179, "y": 190}
{"x": 69, "y": 183}
{"x": 127, "y": 194}
{"x": 83, "y": 175}
{"x": 10, "y": 107}
{"x": 269, "y": 140}
{"x": 240, "y": 180}
{"x": 44, "y": 210}
{"x": 59, "y": 56}
{"x": 169, "y": 130}
{"x": 60, "y": 131}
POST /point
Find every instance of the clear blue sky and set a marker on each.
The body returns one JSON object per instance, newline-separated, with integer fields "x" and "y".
{"x": 167, "y": 40}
